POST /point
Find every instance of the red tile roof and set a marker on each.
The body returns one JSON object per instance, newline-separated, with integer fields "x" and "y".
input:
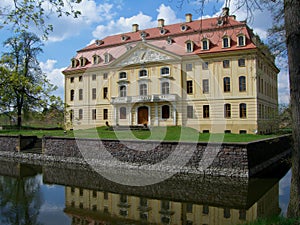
{"x": 197, "y": 30}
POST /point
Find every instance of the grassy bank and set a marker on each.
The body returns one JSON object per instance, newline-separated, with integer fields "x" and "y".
{"x": 172, "y": 133}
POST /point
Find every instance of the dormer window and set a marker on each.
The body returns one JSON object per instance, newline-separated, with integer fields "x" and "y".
{"x": 124, "y": 37}
{"x": 143, "y": 35}
{"x": 183, "y": 27}
{"x": 122, "y": 75}
{"x": 107, "y": 57}
{"x": 189, "y": 46}
{"x": 241, "y": 40}
{"x": 162, "y": 31}
{"x": 99, "y": 42}
{"x": 74, "y": 62}
{"x": 205, "y": 44}
{"x": 169, "y": 41}
{"x": 226, "y": 42}
{"x": 96, "y": 59}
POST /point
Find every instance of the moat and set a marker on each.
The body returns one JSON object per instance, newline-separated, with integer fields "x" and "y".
{"x": 64, "y": 194}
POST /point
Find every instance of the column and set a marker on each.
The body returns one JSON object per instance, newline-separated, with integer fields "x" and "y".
{"x": 130, "y": 115}
{"x": 116, "y": 115}
{"x": 156, "y": 115}
{"x": 174, "y": 114}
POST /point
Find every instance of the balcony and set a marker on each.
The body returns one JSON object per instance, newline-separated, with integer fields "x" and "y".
{"x": 146, "y": 98}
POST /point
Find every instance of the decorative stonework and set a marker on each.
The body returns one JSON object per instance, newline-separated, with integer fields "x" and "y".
{"x": 144, "y": 55}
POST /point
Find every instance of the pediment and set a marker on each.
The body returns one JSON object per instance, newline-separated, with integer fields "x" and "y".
{"x": 144, "y": 54}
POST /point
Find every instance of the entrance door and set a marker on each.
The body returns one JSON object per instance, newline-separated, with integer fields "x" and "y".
{"x": 143, "y": 115}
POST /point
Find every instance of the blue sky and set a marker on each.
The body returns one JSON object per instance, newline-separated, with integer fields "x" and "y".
{"x": 107, "y": 17}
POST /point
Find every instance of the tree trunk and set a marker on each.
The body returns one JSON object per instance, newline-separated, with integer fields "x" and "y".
{"x": 292, "y": 27}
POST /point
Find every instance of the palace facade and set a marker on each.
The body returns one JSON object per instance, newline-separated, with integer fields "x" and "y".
{"x": 212, "y": 74}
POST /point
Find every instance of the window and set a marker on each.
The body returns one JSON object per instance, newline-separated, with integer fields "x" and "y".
{"x": 165, "y": 112}
{"x": 226, "y": 63}
{"x": 94, "y": 93}
{"x": 80, "y": 114}
{"x": 81, "y": 192}
{"x": 80, "y": 94}
{"x": 189, "y": 207}
{"x": 205, "y": 44}
{"x": 165, "y": 71}
{"x": 143, "y": 89}
{"x": 242, "y": 214}
{"x": 189, "y": 46}
{"x": 243, "y": 132}
{"x": 144, "y": 216}
{"x": 226, "y": 213}
{"x": 143, "y": 202}
{"x": 95, "y": 59}
{"x": 226, "y": 84}
{"x": 189, "y": 67}
{"x": 143, "y": 73}
{"x": 226, "y": 42}
{"x": 206, "y": 111}
{"x": 105, "y": 195}
{"x": 94, "y": 114}
{"x": 82, "y": 61}
{"x": 122, "y": 75}
{"x": 105, "y": 75}
{"x": 189, "y": 87}
{"x": 80, "y": 78}
{"x": 105, "y": 92}
{"x": 242, "y": 83}
{"x": 205, "y": 86}
{"x": 243, "y": 110}
{"x": 94, "y": 194}
{"x": 123, "y": 91}
{"x": 105, "y": 114}
{"x": 122, "y": 113}
{"x": 74, "y": 63}
{"x": 183, "y": 27}
{"x": 227, "y": 111}
{"x": 165, "y": 205}
{"x": 205, "y": 65}
{"x": 190, "y": 111}
{"x": 71, "y": 95}
{"x": 72, "y": 80}
{"x": 123, "y": 212}
{"x": 205, "y": 209}
{"x": 71, "y": 115}
{"x": 165, "y": 88}
{"x": 106, "y": 58}
{"x": 123, "y": 198}
{"x": 94, "y": 77}
{"x": 241, "y": 40}
{"x": 241, "y": 62}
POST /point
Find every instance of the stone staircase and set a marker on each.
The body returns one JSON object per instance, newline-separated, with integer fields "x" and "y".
{"x": 36, "y": 148}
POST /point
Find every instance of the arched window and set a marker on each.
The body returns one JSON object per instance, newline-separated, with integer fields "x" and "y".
{"x": 83, "y": 61}
{"x": 243, "y": 110}
{"x": 205, "y": 44}
{"x": 165, "y": 88}
{"x": 165, "y": 112}
{"x": 241, "y": 40}
{"x": 226, "y": 42}
{"x": 242, "y": 83}
{"x": 189, "y": 46}
{"x": 96, "y": 59}
{"x": 80, "y": 94}
{"x": 74, "y": 63}
{"x": 72, "y": 95}
{"x": 227, "y": 110}
{"x": 123, "y": 113}
{"x": 71, "y": 115}
{"x": 165, "y": 71}
{"x": 80, "y": 114}
{"x": 143, "y": 73}
{"x": 122, "y": 75}
{"x": 226, "y": 84}
{"x": 123, "y": 91}
{"x": 143, "y": 89}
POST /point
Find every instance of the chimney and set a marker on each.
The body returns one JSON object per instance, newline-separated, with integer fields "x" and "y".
{"x": 161, "y": 23}
{"x": 225, "y": 11}
{"x": 188, "y": 17}
{"x": 135, "y": 27}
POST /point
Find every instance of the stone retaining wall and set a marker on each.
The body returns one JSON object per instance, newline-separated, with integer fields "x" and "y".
{"x": 226, "y": 159}
{"x": 9, "y": 143}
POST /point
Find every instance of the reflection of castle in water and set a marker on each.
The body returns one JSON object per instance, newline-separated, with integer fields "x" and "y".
{"x": 98, "y": 207}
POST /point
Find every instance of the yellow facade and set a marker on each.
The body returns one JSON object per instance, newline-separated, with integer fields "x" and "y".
{"x": 96, "y": 207}
{"x": 229, "y": 90}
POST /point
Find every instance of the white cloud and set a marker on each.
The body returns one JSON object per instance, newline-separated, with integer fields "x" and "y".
{"x": 283, "y": 87}
{"x": 54, "y": 75}
{"x": 67, "y": 26}
{"x": 123, "y": 25}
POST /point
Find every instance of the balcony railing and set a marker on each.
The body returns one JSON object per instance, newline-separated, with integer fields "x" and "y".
{"x": 146, "y": 98}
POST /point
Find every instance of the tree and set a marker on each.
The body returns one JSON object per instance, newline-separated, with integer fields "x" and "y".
{"x": 23, "y": 13}
{"x": 24, "y": 86}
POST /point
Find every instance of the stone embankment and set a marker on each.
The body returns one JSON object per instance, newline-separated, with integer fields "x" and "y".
{"x": 217, "y": 159}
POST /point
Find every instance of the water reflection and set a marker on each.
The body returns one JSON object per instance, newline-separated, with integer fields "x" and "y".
{"x": 91, "y": 199}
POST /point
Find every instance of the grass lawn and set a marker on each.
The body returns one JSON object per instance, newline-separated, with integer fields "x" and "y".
{"x": 172, "y": 133}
